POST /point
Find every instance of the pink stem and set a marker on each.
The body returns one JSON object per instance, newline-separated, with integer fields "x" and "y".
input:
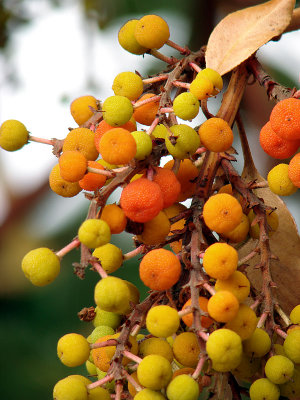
{"x": 101, "y": 172}
{"x": 166, "y": 110}
{"x": 184, "y": 312}
{"x": 155, "y": 79}
{"x": 262, "y": 320}
{"x": 65, "y": 250}
{"x": 146, "y": 101}
{"x": 99, "y": 269}
{"x": 40, "y": 140}
{"x": 162, "y": 57}
{"x": 201, "y": 150}
{"x": 209, "y": 288}
{"x": 181, "y": 84}
{"x": 132, "y": 381}
{"x": 281, "y": 333}
{"x": 195, "y": 67}
{"x": 100, "y": 382}
{"x": 199, "y": 367}
{"x": 119, "y": 390}
{"x": 255, "y": 304}
{"x": 203, "y": 335}
{"x": 131, "y": 356}
{"x": 134, "y": 252}
{"x": 110, "y": 342}
{"x": 153, "y": 125}
{"x": 176, "y": 46}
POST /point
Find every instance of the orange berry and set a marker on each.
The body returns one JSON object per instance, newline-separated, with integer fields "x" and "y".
{"x": 146, "y": 113}
{"x": 274, "y": 145}
{"x": 141, "y": 200}
{"x": 60, "y": 185}
{"x": 222, "y": 213}
{"x": 294, "y": 170}
{"x": 223, "y": 306}
{"x": 117, "y": 146}
{"x": 92, "y": 181}
{"x": 239, "y": 233}
{"x": 115, "y": 218}
{"x": 220, "y": 260}
{"x": 186, "y": 175}
{"x": 155, "y": 230}
{"x": 186, "y": 349}
{"x": 216, "y": 135}
{"x": 103, "y": 127}
{"x": 72, "y": 165}
{"x": 285, "y": 119}
{"x": 188, "y": 318}
{"x": 80, "y": 108}
{"x": 81, "y": 139}
{"x": 171, "y": 212}
{"x": 226, "y": 189}
{"x": 168, "y": 183}
{"x": 160, "y": 269}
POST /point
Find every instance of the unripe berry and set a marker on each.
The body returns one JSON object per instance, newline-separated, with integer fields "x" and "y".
{"x": 73, "y": 349}
{"x": 13, "y": 135}
{"x": 117, "y": 110}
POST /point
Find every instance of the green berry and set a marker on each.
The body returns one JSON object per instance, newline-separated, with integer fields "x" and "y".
{"x": 110, "y": 257}
{"x": 100, "y": 331}
{"x": 183, "y": 142}
{"x": 41, "y": 266}
{"x": 70, "y": 388}
{"x": 90, "y": 367}
{"x": 13, "y": 135}
{"x": 263, "y": 389}
{"x": 186, "y": 106}
{"x": 117, "y": 110}
{"x": 128, "y": 84}
{"x": 94, "y": 233}
{"x": 143, "y": 144}
{"x": 73, "y": 349}
{"x": 279, "y": 369}
{"x": 154, "y": 372}
{"x": 183, "y": 387}
{"x": 292, "y": 346}
{"x": 162, "y": 321}
{"x": 106, "y": 318}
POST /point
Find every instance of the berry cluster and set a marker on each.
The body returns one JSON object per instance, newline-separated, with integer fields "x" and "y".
{"x": 203, "y": 321}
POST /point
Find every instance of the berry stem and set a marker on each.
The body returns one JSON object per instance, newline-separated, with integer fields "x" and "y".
{"x": 132, "y": 356}
{"x": 146, "y": 101}
{"x": 203, "y": 335}
{"x": 110, "y": 342}
{"x": 134, "y": 252}
{"x": 100, "y": 382}
{"x": 65, "y": 250}
{"x": 281, "y": 333}
{"x": 184, "y": 312}
{"x": 109, "y": 174}
{"x": 155, "y": 79}
{"x": 119, "y": 390}
{"x": 162, "y": 57}
{"x": 182, "y": 50}
{"x": 184, "y": 85}
{"x": 248, "y": 257}
{"x": 262, "y": 320}
{"x": 153, "y": 125}
{"x": 40, "y": 140}
{"x": 99, "y": 269}
{"x": 255, "y": 304}
{"x": 166, "y": 110}
{"x": 132, "y": 381}
{"x": 195, "y": 66}
{"x": 199, "y": 367}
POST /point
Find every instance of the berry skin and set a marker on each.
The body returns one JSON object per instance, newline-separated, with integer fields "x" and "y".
{"x": 117, "y": 146}
{"x": 272, "y": 221}
{"x": 244, "y": 323}
{"x": 258, "y": 344}
{"x": 141, "y": 200}
{"x": 285, "y": 119}
{"x": 41, "y": 266}
{"x": 186, "y": 349}
{"x": 80, "y": 108}
{"x": 160, "y": 269}
{"x": 13, "y": 135}
{"x": 183, "y": 387}
{"x": 224, "y": 348}
{"x": 146, "y": 113}
{"x": 202, "y": 88}
{"x": 110, "y": 257}
{"x": 274, "y": 145}
{"x": 169, "y": 185}
{"x": 238, "y": 284}
{"x": 183, "y": 142}
{"x": 156, "y": 230}
{"x": 263, "y": 389}
{"x": 117, "y": 110}
{"x": 222, "y": 213}
{"x": 92, "y": 181}
{"x": 127, "y": 39}
{"x": 73, "y": 349}
{"x": 279, "y": 369}
{"x": 294, "y": 170}
{"x": 159, "y": 132}
{"x": 107, "y": 318}
{"x": 154, "y": 372}
{"x": 216, "y": 135}
{"x": 128, "y": 84}
{"x": 240, "y": 233}
{"x": 152, "y": 31}
{"x": 99, "y": 332}
{"x": 223, "y": 306}
{"x": 214, "y": 77}
{"x": 81, "y": 139}
{"x": 72, "y": 165}
{"x": 70, "y": 388}
{"x": 206, "y": 322}
{"x": 220, "y": 260}
{"x": 156, "y": 345}
{"x": 143, "y": 144}
{"x": 115, "y": 217}
{"x": 247, "y": 368}
{"x": 291, "y": 389}
{"x": 148, "y": 394}
{"x": 292, "y": 346}
{"x": 186, "y": 106}
{"x": 279, "y": 181}
{"x": 94, "y": 233}
{"x": 162, "y": 321}
{"x": 103, "y": 127}
{"x": 60, "y": 186}
{"x": 295, "y": 315}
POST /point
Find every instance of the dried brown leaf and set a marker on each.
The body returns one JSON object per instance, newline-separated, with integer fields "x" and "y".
{"x": 241, "y": 33}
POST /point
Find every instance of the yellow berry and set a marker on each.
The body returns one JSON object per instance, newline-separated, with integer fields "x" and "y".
{"x": 152, "y": 31}
{"x": 162, "y": 321}
{"x": 73, "y": 349}
{"x": 220, "y": 260}
{"x": 279, "y": 181}
{"x": 201, "y": 88}
{"x": 154, "y": 372}
{"x": 81, "y": 108}
{"x": 94, "y": 233}
{"x": 13, "y": 135}
{"x": 117, "y": 110}
{"x": 110, "y": 257}
{"x": 214, "y": 77}
{"x": 186, "y": 106}
{"x": 128, "y": 84}
{"x": 127, "y": 39}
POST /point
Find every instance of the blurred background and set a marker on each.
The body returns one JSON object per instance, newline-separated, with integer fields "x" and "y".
{"x": 52, "y": 51}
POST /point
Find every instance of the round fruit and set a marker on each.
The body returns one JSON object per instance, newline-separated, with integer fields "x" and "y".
{"x": 223, "y": 306}
{"x": 292, "y": 346}
{"x": 154, "y": 372}
{"x": 216, "y": 135}
{"x": 279, "y": 369}
{"x": 127, "y": 39}
{"x": 94, "y": 233}
{"x": 81, "y": 108}
{"x": 73, "y": 349}
{"x": 186, "y": 349}
{"x": 152, "y": 31}
{"x": 263, "y": 389}
{"x": 280, "y": 182}
{"x": 285, "y": 119}
{"x": 13, "y": 135}
{"x": 220, "y": 260}
{"x": 110, "y": 257}
{"x": 183, "y": 142}
{"x": 162, "y": 321}
{"x": 117, "y": 110}
{"x": 128, "y": 84}
{"x": 183, "y": 387}
{"x": 186, "y": 106}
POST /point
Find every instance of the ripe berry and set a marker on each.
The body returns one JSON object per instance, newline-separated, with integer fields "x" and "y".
{"x": 223, "y": 306}
{"x": 294, "y": 170}
{"x": 92, "y": 181}
{"x": 220, "y": 260}
{"x": 186, "y": 175}
{"x": 156, "y": 230}
{"x": 285, "y": 119}
{"x": 239, "y": 233}
{"x": 169, "y": 185}
{"x": 186, "y": 349}
{"x": 188, "y": 319}
{"x": 80, "y": 108}
{"x": 152, "y": 31}
{"x": 72, "y": 165}
{"x": 13, "y": 135}
{"x": 60, "y": 186}
{"x": 103, "y": 127}
{"x": 115, "y": 217}
{"x": 238, "y": 284}
{"x": 81, "y": 139}
{"x": 146, "y": 113}
{"x": 201, "y": 88}
{"x": 117, "y": 146}
{"x": 216, "y": 135}
{"x": 214, "y": 77}
{"x": 244, "y": 323}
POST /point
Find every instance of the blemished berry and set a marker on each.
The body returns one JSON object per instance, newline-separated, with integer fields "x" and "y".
{"x": 294, "y": 170}
{"x": 152, "y": 31}
{"x": 183, "y": 142}
{"x": 244, "y": 323}
{"x": 186, "y": 349}
{"x": 91, "y": 180}
{"x": 94, "y": 233}
{"x": 263, "y": 389}
{"x": 279, "y": 369}
{"x": 110, "y": 257}
{"x": 162, "y": 321}
{"x": 223, "y": 306}
{"x": 216, "y": 135}
{"x": 272, "y": 222}
{"x": 115, "y": 218}
{"x": 106, "y": 318}
{"x": 258, "y": 344}
{"x": 202, "y": 88}
{"x": 292, "y": 346}
{"x": 81, "y": 108}
{"x": 222, "y": 213}
{"x": 41, "y": 266}
{"x": 70, "y": 388}
{"x": 295, "y": 315}
{"x": 141, "y": 200}
{"x": 224, "y": 348}
{"x": 160, "y": 269}
{"x": 186, "y": 106}
{"x": 154, "y": 372}
{"x": 188, "y": 319}
{"x": 81, "y": 139}
{"x": 183, "y": 387}
{"x": 98, "y": 332}
{"x": 280, "y": 182}
{"x": 73, "y": 349}
{"x": 240, "y": 233}
{"x": 156, "y": 230}
{"x": 128, "y": 84}
{"x": 72, "y": 165}
{"x": 148, "y": 394}
{"x": 285, "y": 119}
{"x": 117, "y": 146}
{"x": 146, "y": 113}
{"x": 155, "y": 345}
{"x": 117, "y": 110}
{"x": 169, "y": 185}
{"x": 60, "y": 186}
{"x": 220, "y": 260}
{"x": 127, "y": 38}
{"x": 237, "y": 283}
{"x": 143, "y": 144}
{"x": 274, "y": 145}
{"x": 214, "y": 77}
{"x": 13, "y": 135}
